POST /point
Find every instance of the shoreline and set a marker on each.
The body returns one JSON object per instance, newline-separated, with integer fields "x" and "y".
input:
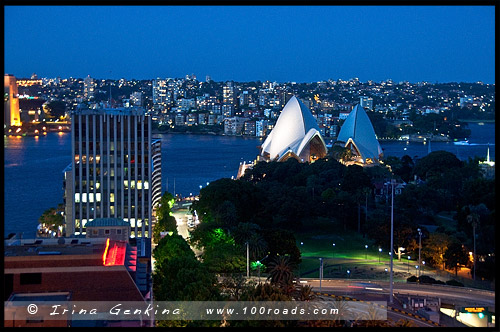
{"x": 476, "y": 121}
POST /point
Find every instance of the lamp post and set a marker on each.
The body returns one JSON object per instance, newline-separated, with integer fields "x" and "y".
{"x": 474, "y": 224}
{"x": 320, "y": 272}
{"x": 349, "y": 274}
{"x": 391, "y": 286}
{"x": 248, "y": 261}
{"x": 423, "y": 265}
{"x": 259, "y": 264}
{"x": 333, "y": 251}
{"x": 301, "y": 244}
{"x": 366, "y": 251}
{"x": 379, "y": 251}
{"x": 419, "y": 247}
{"x": 409, "y": 263}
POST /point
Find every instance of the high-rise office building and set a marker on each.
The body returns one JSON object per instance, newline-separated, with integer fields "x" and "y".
{"x": 115, "y": 170}
{"x": 11, "y": 114}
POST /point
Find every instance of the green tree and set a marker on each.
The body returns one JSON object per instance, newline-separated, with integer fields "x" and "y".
{"x": 280, "y": 271}
{"x": 455, "y": 256}
{"x": 435, "y": 164}
{"x": 434, "y": 248}
{"x": 56, "y": 109}
{"x": 51, "y": 219}
{"x": 165, "y": 220}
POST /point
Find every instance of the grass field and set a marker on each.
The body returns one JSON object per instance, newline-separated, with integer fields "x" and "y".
{"x": 349, "y": 253}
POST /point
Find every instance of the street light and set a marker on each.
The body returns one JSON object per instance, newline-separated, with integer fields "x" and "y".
{"x": 391, "y": 277}
{"x": 333, "y": 251}
{"x": 349, "y": 274}
{"x": 301, "y": 244}
{"x": 416, "y": 269}
{"x": 320, "y": 272}
{"x": 409, "y": 263}
{"x": 419, "y": 247}
{"x": 366, "y": 251}
{"x": 423, "y": 265}
{"x": 259, "y": 264}
{"x": 379, "y": 251}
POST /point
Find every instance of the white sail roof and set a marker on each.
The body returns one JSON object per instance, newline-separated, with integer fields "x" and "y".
{"x": 358, "y": 130}
{"x": 295, "y": 129}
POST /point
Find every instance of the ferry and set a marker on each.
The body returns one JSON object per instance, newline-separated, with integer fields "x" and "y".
{"x": 466, "y": 142}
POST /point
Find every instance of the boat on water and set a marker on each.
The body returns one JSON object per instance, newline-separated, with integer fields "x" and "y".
{"x": 461, "y": 142}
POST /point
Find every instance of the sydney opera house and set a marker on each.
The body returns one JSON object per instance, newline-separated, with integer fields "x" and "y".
{"x": 358, "y": 135}
{"x": 295, "y": 135}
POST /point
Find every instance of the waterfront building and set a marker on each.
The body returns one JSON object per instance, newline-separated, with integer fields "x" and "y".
{"x": 249, "y": 128}
{"x": 358, "y": 135}
{"x": 295, "y": 135}
{"x": 12, "y": 115}
{"x": 234, "y": 125}
{"x": 228, "y": 99}
{"x": 115, "y": 170}
{"x": 261, "y": 128}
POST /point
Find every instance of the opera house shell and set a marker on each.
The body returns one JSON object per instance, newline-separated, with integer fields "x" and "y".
{"x": 295, "y": 135}
{"x": 358, "y": 135}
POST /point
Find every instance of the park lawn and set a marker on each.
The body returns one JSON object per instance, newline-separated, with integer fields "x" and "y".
{"x": 348, "y": 245}
{"x": 349, "y": 253}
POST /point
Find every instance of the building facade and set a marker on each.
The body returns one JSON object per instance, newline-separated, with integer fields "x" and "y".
{"x": 12, "y": 115}
{"x": 115, "y": 170}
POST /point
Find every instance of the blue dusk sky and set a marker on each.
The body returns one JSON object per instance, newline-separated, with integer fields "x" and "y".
{"x": 248, "y": 43}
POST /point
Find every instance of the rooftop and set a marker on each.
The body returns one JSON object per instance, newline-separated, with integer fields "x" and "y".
{"x": 107, "y": 222}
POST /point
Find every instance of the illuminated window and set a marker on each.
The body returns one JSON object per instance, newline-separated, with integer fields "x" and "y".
{"x": 112, "y": 197}
{"x": 98, "y": 197}
{"x": 77, "y": 198}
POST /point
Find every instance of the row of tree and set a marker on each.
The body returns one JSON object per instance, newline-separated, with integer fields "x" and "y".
{"x": 274, "y": 200}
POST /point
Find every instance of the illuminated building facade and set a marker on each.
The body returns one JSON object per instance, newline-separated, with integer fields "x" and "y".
{"x": 295, "y": 135}
{"x": 115, "y": 171}
{"x": 88, "y": 87}
{"x": 358, "y": 135}
{"x": 12, "y": 115}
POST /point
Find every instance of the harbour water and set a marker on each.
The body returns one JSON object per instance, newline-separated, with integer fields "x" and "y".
{"x": 33, "y": 166}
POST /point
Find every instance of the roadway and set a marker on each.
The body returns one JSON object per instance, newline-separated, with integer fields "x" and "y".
{"x": 375, "y": 291}
{"x": 467, "y": 296}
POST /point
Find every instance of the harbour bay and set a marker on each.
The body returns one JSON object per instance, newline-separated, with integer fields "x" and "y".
{"x": 33, "y": 176}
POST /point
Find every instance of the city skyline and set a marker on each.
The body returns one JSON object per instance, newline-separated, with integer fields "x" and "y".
{"x": 250, "y": 43}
